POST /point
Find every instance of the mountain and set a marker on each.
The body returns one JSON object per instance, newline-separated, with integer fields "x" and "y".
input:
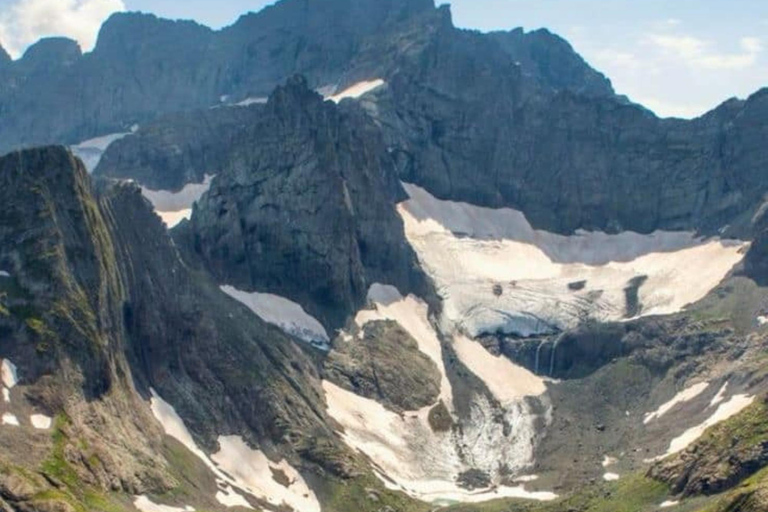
{"x": 343, "y": 256}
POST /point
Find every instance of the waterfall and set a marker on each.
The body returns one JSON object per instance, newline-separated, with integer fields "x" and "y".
{"x": 538, "y": 354}
{"x": 552, "y": 355}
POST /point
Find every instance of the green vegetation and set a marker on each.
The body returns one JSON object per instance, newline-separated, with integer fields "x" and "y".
{"x": 365, "y": 494}
{"x": 632, "y": 493}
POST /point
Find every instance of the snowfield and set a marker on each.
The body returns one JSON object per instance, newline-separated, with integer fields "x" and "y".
{"x": 684, "y": 396}
{"x": 285, "y": 314}
{"x": 173, "y": 207}
{"x": 725, "y": 411}
{"x": 90, "y": 151}
{"x": 408, "y": 454}
{"x": 238, "y": 468}
{"x": 495, "y": 273}
{"x": 357, "y": 90}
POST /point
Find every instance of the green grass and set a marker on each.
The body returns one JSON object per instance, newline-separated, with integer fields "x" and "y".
{"x": 364, "y": 494}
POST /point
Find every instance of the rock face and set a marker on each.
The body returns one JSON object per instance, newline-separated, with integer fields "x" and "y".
{"x": 92, "y": 95}
{"x": 386, "y": 365}
{"x": 308, "y": 213}
{"x": 100, "y": 308}
{"x": 179, "y": 148}
{"x": 495, "y": 136}
{"x": 553, "y": 62}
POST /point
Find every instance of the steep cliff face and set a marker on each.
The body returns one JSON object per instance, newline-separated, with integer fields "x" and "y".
{"x": 61, "y": 327}
{"x": 567, "y": 160}
{"x": 134, "y": 71}
{"x": 96, "y": 309}
{"x": 178, "y": 149}
{"x": 307, "y": 213}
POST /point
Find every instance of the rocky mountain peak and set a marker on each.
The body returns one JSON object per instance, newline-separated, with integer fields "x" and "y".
{"x": 52, "y": 52}
{"x": 129, "y": 32}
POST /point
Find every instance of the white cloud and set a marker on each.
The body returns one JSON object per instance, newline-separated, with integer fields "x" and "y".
{"x": 698, "y": 53}
{"x": 26, "y": 21}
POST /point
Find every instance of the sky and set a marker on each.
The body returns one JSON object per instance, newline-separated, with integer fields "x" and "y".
{"x": 677, "y": 57}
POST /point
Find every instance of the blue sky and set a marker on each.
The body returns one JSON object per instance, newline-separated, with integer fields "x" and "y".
{"x": 680, "y": 57}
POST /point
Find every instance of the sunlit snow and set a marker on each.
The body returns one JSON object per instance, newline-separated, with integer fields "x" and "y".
{"x": 725, "y": 411}
{"x": 496, "y": 273}
{"x": 40, "y": 421}
{"x": 173, "y": 207}
{"x": 686, "y": 395}
{"x": 90, "y": 151}
{"x": 285, "y": 314}
{"x": 9, "y": 374}
{"x": 239, "y": 468}
{"x": 357, "y": 90}
{"x": 10, "y": 419}
{"x": 146, "y": 505}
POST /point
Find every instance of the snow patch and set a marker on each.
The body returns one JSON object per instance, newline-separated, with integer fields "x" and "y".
{"x": 668, "y": 504}
{"x": 146, "y": 505}
{"x": 609, "y": 461}
{"x": 173, "y": 207}
{"x": 9, "y": 374}
{"x": 684, "y": 396}
{"x": 720, "y": 396}
{"x": 6, "y": 395}
{"x": 254, "y": 471}
{"x": 236, "y": 466}
{"x": 725, "y": 411}
{"x": 285, "y": 314}
{"x": 10, "y": 419}
{"x": 507, "y": 381}
{"x": 90, "y": 151}
{"x": 496, "y": 273}
{"x": 611, "y": 477}
{"x": 762, "y": 320}
{"x": 3, "y": 273}
{"x": 40, "y": 421}
{"x": 247, "y": 102}
{"x": 357, "y": 90}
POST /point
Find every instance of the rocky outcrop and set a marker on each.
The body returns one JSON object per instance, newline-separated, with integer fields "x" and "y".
{"x": 385, "y": 364}
{"x": 309, "y": 212}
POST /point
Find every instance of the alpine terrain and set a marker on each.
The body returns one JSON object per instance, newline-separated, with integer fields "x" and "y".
{"x": 342, "y": 256}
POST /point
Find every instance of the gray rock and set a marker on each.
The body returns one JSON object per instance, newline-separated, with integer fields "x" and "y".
{"x": 385, "y": 365}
